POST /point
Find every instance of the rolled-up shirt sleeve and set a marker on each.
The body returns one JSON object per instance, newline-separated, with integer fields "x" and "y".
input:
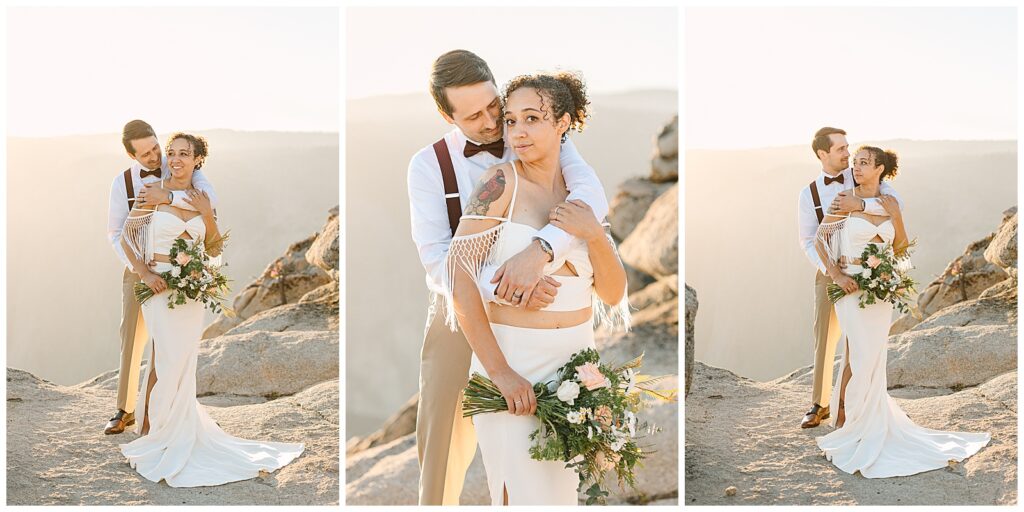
{"x": 117, "y": 212}
{"x": 807, "y": 223}
{"x": 428, "y": 215}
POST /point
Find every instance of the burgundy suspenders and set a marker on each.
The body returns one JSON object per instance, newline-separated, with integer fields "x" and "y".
{"x": 451, "y": 185}
{"x": 129, "y": 188}
{"x": 817, "y": 200}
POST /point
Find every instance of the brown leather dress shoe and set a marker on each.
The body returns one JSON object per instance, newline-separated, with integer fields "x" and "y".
{"x": 815, "y": 416}
{"x": 119, "y": 422}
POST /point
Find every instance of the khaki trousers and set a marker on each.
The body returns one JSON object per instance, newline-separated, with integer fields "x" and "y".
{"x": 133, "y": 343}
{"x": 826, "y": 335}
{"x": 445, "y": 441}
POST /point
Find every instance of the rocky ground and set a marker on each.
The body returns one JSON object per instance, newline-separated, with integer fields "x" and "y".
{"x": 381, "y": 468}
{"x": 271, "y": 376}
{"x": 954, "y": 369}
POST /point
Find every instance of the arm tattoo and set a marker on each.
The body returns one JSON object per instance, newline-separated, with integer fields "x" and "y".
{"x": 486, "y": 194}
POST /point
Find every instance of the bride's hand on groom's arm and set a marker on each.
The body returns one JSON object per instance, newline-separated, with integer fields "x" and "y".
{"x": 517, "y": 391}
{"x": 891, "y": 205}
{"x": 576, "y": 218}
{"x": 200, "y": 201}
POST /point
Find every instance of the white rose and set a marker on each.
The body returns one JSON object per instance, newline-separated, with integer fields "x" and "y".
{"x": 176, "y": 271}
{"x": 866, "y": 274}
{"x": 618, "y": 444}
{"x": 568, "y": 391}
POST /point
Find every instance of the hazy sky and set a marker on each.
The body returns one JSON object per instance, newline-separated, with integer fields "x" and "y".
{"x": 760, "y": 77}
{"x": 89, "y": 70}
{"x": 389, "y": 51}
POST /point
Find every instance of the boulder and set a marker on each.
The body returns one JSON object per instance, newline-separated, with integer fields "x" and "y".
{"x": 653, "y": 247}
{"x": 267, "y": 363}
{"x": 968, "y": 275}
{"x": 323, "y": 253}
{"x": 691, "y": 317}
{"x": 1003, "y": 249}
{"x": 659, "y": 292}
{"x": 301, "y": 316}
{"x": 665, "y": 162}
{"x": 631, "y": 202}
{"x": 400, "y": 424}
{"x": 284, "y": 281}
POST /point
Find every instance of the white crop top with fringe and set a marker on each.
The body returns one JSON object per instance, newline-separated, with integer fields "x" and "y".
{"x": 481, "y": 253}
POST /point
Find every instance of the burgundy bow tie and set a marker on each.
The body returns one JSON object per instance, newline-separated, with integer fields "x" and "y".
{"x": 496, "y": 148}
{"x": 155, "y": 173}
{"x": 837, "y": 179}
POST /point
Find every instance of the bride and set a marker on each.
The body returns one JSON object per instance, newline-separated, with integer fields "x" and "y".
{"x": 180, "y": 444}
{"x": 873, "y": 435}
{"x": 513, "y": 346}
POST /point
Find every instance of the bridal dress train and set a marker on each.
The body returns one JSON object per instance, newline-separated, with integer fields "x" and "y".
{"x": 536, "y": 354}
{"x": 878, "y": 439}
{"x": 184, "y": 446}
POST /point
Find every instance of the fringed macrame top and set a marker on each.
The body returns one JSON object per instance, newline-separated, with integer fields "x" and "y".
{"x": 845, "y": 239}
{"x": 153, "y": 232}
{"x": 492, "y": 247}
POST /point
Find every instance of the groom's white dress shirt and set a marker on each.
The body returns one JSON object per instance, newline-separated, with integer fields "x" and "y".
{"x": 117, "y": 209}
{"x": 808, "y": 219}
{"x": 429, "y": 213}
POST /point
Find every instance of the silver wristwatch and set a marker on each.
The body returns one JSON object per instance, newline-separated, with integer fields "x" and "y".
{"x": 546, "y": 247}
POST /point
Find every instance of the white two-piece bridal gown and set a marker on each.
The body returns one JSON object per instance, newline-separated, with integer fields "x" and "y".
{"x": 535, "y": 354}
{"x": 184, "y": 446}
{"x": 878, "y": 439}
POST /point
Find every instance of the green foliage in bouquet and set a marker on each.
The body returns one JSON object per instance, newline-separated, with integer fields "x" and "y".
{"x": 588, "y": 418}
{"x": 193, "y": 277}
{"x": 883, "y": 275}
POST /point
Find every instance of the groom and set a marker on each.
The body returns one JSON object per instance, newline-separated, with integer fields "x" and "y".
{"x": 143, "y": 176}
{"x": 441, "y": 179}
{"x": 832, "y": 187}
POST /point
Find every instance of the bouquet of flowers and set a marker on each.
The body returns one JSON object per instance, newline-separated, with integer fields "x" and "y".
{"x": 588, "y": 417}
{"x": 192, "y": 276}
{"x": 883, "y": 276}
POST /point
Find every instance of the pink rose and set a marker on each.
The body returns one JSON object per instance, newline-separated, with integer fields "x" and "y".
{"x": 182, "y": 259}
{"x": 874, "y": 261}
{"x": 603, "y": 415}
{"x": 603, "y": 462}
{"x": 590, "y": 376}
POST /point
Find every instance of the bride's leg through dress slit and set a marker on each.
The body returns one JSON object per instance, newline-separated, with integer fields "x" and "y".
{"x": 150, "y": 383}
{"x": 184, "y": 446}
{"x": 878, "y": 439}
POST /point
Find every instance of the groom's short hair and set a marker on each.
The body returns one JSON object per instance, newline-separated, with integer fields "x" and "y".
{"x": 822, "y": 140}
{"x": 135, "y": 129}
{"x": 455, "y": 69}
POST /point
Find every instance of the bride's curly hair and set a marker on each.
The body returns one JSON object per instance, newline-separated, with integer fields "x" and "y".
{"x": 200, "y": 148}
{"x": 887, "y": 158}
{"x": 565, "y": 91}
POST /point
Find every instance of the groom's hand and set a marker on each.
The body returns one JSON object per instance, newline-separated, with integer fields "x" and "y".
{"x": 845, "y": 203}
{"x": 518, "y": 276}
{"x": 152, "y": 195}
